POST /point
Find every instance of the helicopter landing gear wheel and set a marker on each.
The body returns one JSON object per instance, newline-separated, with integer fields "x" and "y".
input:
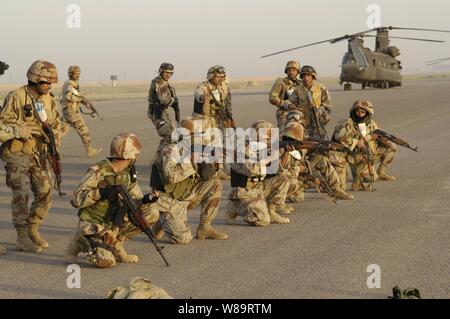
{"x": 347, "y": 87}
{"x": 363, "y": 86}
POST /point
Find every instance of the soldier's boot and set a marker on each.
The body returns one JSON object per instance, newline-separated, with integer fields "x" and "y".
{"x": 382, "y": 175}
{"x": 92, "y": 152}
{"x": 358, "y": 185}
{"x": 158, "y": 230}
{"x": 232, "y": 212}
{"x": 285, "y": 209}
{"x": 35, "y": 236}
{"x": 206, "y": 231}
{"x": 24, "y": 243}
{"x": 275, "y": 218}
{"x": 121, "y": 255}
{"x": 72, "y": 251}
{"x": 295, "y": 199}
{"x": 2, "y": 250}
{"x": 343, "y": 195}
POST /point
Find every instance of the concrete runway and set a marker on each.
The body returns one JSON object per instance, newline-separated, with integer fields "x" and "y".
{"x": 324, "y": 253}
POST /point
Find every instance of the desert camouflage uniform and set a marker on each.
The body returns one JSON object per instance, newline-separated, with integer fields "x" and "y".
{"x": 161, "y": 95}
{"x": 71, "y": 99}
{"x": 183, "y": 189}
{"x": 279, "y": 96}
{"x": 139, "y": 288}
{"x": 205, "y": 106}
{"x": 7, "y": 133}
{"x": 95, "y": 220}
{"x": 348, "y": 133}
{"x": 317, "y": 162}
{"x": 27, "y": 163}
{"x": 316, "y": 99}
{"x": 258, "y": 200}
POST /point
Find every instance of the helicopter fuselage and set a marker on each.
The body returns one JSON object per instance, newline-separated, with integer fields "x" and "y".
{"x": 380, "y": 70}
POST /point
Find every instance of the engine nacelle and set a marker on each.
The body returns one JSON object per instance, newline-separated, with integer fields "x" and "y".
{"x": 393, "y": 51}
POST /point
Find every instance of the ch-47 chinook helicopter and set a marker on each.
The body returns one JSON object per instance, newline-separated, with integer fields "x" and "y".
{"x": 379, "y": 68}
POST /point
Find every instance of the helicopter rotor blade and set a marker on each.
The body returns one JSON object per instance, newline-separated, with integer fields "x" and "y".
{"x": 437, "y": 60}
{"x": 430, "y": 63}
{"x": 402, "y": 38}
{"x": 417, "y": 29}
{"x": 296, "y": 48}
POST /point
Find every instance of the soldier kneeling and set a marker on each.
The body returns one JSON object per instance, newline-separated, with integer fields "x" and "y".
{"x": 99, "y": 233}
{"x": 256, "y": 195}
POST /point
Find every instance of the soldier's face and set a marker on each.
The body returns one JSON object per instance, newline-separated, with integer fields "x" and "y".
{"x": 217, "y": 79}
{"x": 361, "y": 113}
{"x": 307, "y": 79}
{"x": 43, "y": 88}
{"x": 292, "y": 73}
{"x": 166, "y": 75}
{"x": 75, "y": 76}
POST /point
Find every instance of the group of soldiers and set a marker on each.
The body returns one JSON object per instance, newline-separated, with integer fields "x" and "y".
{"x": 179, "y": 181}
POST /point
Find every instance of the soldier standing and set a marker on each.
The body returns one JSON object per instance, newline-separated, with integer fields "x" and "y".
{"x": 23, "y": 133}
{"x": 313, "y": 100}
{"x": 96, "y": 232}
{"x": 161, "y": 96}
{"x": 71, "y": 100}
{"x": 27, "y": 160}
{"x": 212, "y": 105}
{"x": 356, "y": 133}
{"x": 282, "y": 90}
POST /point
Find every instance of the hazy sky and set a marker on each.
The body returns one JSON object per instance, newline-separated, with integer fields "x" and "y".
{"x": 131, "y": 38}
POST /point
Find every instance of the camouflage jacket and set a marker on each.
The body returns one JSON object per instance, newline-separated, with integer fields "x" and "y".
{"x": 87, "y": 197}
{"x": 161, "y": 94}
{"x": 311, "y": 102}
{"x": 282, "y": 90}
{"x": 347, "y": 132}
{"x": 177, "y": 172}
{"x": 19, "y": 109}
{"x": 8, "y": 132}
{"x": 208, "y": 99}
{"x": 71, "y": 96}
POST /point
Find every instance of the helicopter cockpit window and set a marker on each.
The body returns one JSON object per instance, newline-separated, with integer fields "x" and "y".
{"x": 348, "y": 58}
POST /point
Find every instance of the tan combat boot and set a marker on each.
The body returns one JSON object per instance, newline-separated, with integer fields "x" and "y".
{"x": 92, "y": 152}
{"x": 275, "y": 218}
{"x": 382, "y": 175}
{"x": 358, "y": 185}
{"x": 2, "y": 250}
{"x": 35, "y": 236}
{"x": 121, "y": 255}
{"x": 72, "y": 251}
{"x": 232, "y": 212}
{"x": 158, "y": 230}
{"x": 285, "y": 209}
{"x": 206, "y": 231}
{"x": 24, "y": 243}
{"x": 295, "y": 199}
{"x": 343, "y": 195}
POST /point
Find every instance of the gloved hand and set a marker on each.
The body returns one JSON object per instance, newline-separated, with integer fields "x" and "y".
{"x": 150, "y": 198}
{"x": 107, "y": 191}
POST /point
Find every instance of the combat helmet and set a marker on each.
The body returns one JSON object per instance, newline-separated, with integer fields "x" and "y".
{"x": 42, "y": 71}
{"x": 125, "y": 146}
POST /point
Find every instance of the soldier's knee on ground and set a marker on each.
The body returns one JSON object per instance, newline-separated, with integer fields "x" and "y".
{"x": 181, "y": 239}
{"x": 102, "y": 258}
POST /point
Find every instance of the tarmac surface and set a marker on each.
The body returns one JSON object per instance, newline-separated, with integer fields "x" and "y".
{"x": 324, "y": 253}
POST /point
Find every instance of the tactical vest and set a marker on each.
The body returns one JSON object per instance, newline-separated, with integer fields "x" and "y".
{"x": 179, "y": 191}
{"x": 100, "y": 212}
{"x": 26, "y": 114}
